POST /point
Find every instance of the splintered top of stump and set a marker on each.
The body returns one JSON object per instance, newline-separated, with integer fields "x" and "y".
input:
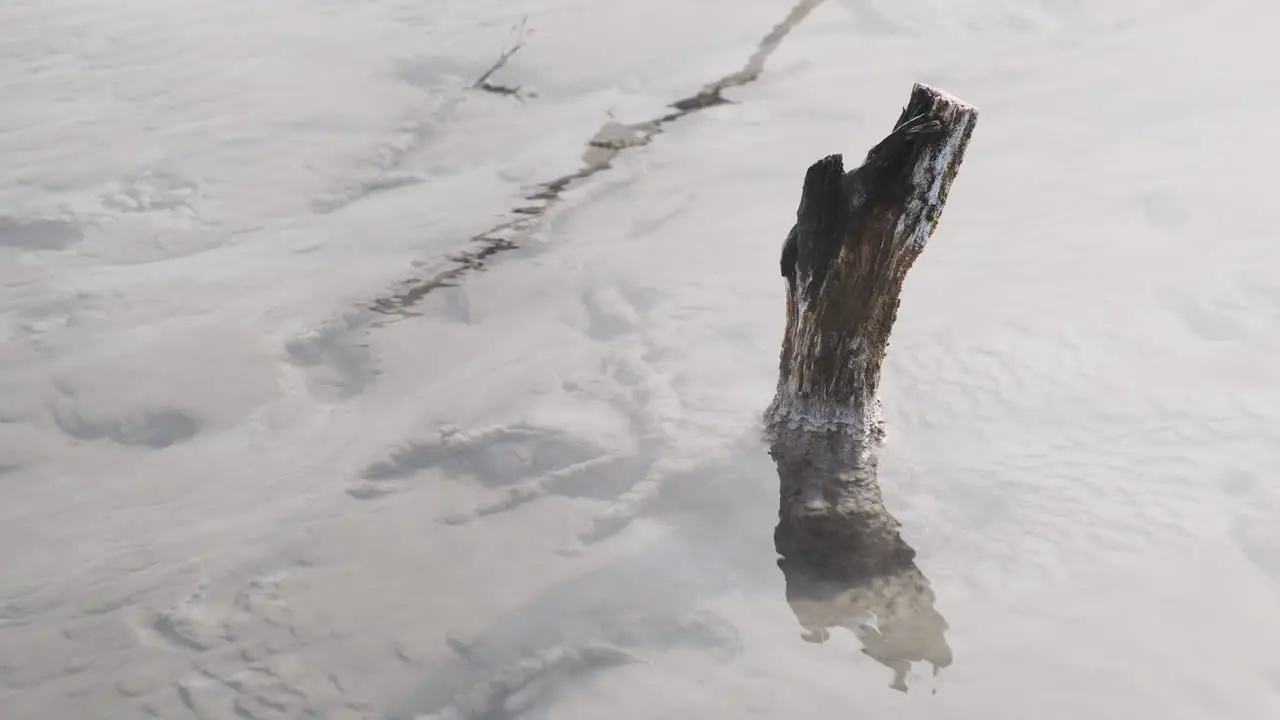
{"x": 934, "y": 171}
{"x": 908, "y": 174}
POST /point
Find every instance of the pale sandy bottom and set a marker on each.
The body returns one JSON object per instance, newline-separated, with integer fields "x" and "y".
{"x": 228, "y": 490}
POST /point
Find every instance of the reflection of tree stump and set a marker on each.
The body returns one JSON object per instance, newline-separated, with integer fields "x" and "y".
{"x": 845, "y": 563}
{"x": 855, "y": 237}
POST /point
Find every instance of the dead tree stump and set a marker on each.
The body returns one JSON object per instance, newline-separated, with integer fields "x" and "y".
{"x": 856, "y": 235}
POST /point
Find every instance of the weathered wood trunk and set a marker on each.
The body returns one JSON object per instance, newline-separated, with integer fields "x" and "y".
{"x": 856, "y": 235}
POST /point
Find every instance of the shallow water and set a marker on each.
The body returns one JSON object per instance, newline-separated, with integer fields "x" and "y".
{"x": 230, "y": 489}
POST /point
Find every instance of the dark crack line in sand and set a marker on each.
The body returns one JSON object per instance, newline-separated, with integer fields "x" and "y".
{"x": 602, "y": 149}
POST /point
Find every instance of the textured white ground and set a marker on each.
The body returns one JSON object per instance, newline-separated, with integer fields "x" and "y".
{"x": 227, "y": 491}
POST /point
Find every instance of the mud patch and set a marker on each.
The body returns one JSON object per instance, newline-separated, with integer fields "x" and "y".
{"x": 337, "y": 363}
{"x": 154, "y": 429}
{"x": 1213, "y": 320}
{"x": 151, "y": 191}
{"x": 38, "y": 234}
{"x": 1165, "y": 210}
{"x": 494, "y": 457}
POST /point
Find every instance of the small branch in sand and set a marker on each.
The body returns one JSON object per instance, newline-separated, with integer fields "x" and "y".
{"x": 482, "y": 83}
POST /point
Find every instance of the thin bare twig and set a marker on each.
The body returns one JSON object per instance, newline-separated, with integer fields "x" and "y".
{"x": 482, "y": 83}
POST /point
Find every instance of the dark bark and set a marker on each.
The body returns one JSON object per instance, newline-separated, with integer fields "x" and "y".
{"x": 856, "y": 235}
